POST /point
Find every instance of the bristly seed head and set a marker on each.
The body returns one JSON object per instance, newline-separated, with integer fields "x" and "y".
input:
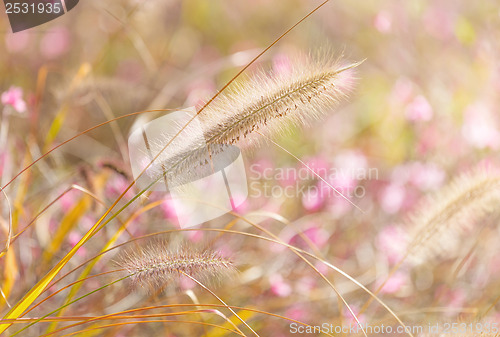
{"x": 265, "y": 103}
{"x": 156, "y": 266}
{"x": 438, "y": 225}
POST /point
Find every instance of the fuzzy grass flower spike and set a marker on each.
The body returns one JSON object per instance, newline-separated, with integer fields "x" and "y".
{"x": 261, "y": 106}
{"x": 266, "y": 102}
{"x": 156, "y": 266}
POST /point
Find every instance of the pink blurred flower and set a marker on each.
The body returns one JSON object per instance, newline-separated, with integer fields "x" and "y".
{"x": 322, "y": 268}
{"x": 392, "y": 241}
{"x": 239, "y": 200}
{"x": 392, "y": 198}
{"x": 305, "y": 285}
{"x": 279, "y": 287}
{"x": 349, "y": 167}
{"x": 168, "y": 208}
{"x": 479, "y": 127}
{"x": 317, "y": 235}
{"x": 275, "y": 247}
{"x": 395, "y": 283}
{"x": 351, "y": 161}
{"x": 439, "y": 22}
{"x": 383, "y": 21}
{"x": 426, "y": 176}
{"x": 261, "y": 166}
{"x": 55, "y": 42}
{"x": 53, "y": 224}
{"x": 73, "y": 238}
{"x": 451, "y": 298}
{"x": 195, "y": 236}
{"x": 185, "y": 283}
{"x": 14, "y": 98}
{"x": 350, "y": 319}
{"x": 17, "y": 42}
{"x": 87, "y": 222}
{"x": 344, "y": 182}
{"x": 419, "y": 110}
{"x": 402, "y": 91}
{"x": 338, "y": 207}
{"x": 262, "y": 169}
{"x": 401, "y": 174}
{"x": 68, "y": 200}
{"x": 318, "y": 165}
{"x": 429, "y": 138}
{"x": 313, "y": 200}
{"x": 116, "y": 185}
{"x": 296, "y": 313}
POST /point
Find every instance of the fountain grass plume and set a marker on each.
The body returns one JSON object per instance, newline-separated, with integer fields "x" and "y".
{"x": 255, "y": 108}
{"x": 155, "y": 265}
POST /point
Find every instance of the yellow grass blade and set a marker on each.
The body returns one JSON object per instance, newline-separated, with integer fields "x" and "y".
{"x": 10, "y": 272}
{"x": 58, "y": 122}
{"x": 68, "y": 222}
{"x": 33, "y": 294}
{"x": 245, "y": 315}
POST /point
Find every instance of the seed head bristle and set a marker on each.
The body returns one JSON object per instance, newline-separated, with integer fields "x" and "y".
{"x": 156, "y": 266}
{"x": 438, "y": 224}
{"x": 265, "y": 103}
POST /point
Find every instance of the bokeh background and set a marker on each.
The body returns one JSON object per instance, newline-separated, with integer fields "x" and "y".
{"x": 424, "y": 110}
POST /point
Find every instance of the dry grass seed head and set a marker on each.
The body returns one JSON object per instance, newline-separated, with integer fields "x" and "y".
{"x": 156, "y": 266}
{"x": 437, "y": 227}
{"x": 267, "y": 103}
